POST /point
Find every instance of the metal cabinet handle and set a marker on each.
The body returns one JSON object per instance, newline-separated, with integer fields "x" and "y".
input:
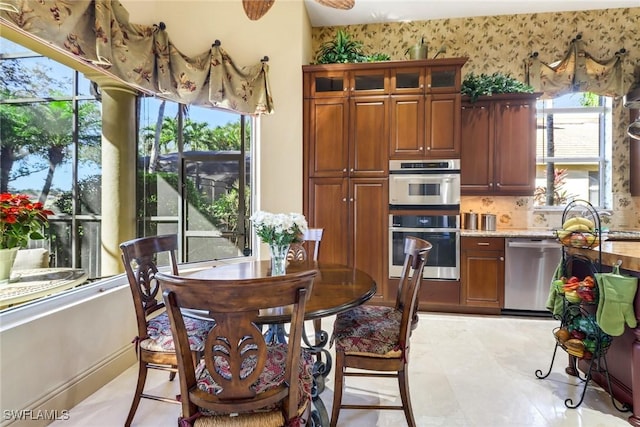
{"x": 344, "y": 199}
{"x": 420, "y": 148}
{"x": 344, "y": 170}
{"x": 483, "y": 244}
{"x": 501, "y": 258}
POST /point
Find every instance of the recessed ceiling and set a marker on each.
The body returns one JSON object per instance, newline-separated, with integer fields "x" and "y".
{"x": 379, "y": 11}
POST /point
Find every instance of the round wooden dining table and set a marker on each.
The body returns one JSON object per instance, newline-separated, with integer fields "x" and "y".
{"x": 336, "y": 288}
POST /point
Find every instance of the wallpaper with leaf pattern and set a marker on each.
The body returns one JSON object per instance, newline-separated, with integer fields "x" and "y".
{"x": 502, "y": 43}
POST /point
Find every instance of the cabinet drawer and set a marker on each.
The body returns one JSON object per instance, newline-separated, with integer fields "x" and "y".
{"x": 483, "y": 243}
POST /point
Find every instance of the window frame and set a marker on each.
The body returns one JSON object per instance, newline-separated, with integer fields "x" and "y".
{"x": 603, "y": 159}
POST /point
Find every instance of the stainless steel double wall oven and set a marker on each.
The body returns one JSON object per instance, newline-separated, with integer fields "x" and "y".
{"x": 424, "y": 201}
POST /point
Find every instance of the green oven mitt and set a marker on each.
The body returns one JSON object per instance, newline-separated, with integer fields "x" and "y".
{"x": 615, "y": 304}
{"x": 554, "y": 301}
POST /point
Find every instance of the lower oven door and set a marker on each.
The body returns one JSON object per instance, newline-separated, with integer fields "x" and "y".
{"x": 443, "y": 261}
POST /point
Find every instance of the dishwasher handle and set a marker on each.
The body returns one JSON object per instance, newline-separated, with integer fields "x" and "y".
{"x": 538, "y": 244}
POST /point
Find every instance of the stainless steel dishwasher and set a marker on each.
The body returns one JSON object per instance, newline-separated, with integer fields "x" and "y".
{"x": 529, "y": 268}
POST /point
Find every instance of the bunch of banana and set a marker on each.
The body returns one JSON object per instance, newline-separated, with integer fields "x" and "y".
{"x": 578, "y": 223}
{"x": 578, "y": 232}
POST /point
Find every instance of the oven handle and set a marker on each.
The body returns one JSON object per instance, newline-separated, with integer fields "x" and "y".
{"x": 426, "y": 178}
{"x": 425, "y": 230}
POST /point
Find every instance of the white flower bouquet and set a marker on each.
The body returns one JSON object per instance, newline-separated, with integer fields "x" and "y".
{"x": 279, "y": 229}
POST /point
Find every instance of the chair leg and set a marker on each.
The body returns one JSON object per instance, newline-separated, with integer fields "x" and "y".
{"x": 403, "y": 383}
{"x": 317, "y": 327}
{"x": 142, "y": 377}
{"x": 337, "y": 388}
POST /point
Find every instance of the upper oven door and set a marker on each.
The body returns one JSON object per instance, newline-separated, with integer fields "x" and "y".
{"x": 407, "y": 190}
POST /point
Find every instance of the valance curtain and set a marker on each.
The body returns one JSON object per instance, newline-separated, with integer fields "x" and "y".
{"x": 99, "y": 31}
{"x": 576, "y": 72}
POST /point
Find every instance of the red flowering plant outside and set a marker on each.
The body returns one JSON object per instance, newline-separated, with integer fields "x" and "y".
{"x": 20, "y": 220}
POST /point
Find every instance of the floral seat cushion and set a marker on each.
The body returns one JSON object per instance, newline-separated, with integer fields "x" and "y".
{"x": 159, "y": 336}
{"x": 271, "y": 377}
{"x": 368, "y": 330}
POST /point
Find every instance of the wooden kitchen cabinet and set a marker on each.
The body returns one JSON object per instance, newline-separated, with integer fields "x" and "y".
{"x": 354, "y": 217}
{"x": 482, "y": 272}
{"x": 425, "y": 126}
{"x": 353, "y": 114}
{"x": 345, "y": 81}
{"x": 425, "y": 112}
{"x": 327, "y": 140}
{"x": 498, "y": 142}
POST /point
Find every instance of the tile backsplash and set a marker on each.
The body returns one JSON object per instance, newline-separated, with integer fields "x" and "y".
{"x": 518, "y": 212}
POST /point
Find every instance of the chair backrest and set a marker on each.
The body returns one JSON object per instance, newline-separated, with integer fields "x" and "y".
{"x": 235, "y": 350}
{"x": 140, "y": 259}
{"x": 313, "y": 236}
{"x": 416, "y": 252}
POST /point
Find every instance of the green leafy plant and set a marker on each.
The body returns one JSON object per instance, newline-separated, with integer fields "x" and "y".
{"x": 487, "y": 84}
{"x": 344, "y": 49}
{"x": 560, "y": 193}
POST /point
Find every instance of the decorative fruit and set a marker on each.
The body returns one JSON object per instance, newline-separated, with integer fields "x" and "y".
{"x": 586, "y": 294}
{"x": 577, "y": 334}
{"x": 574, "y": 347}
{"x": 572, "y": 296}
{"x": 589, "y": 345}
{"x": 578, "y": 240}
{"x": 578, "y": 224}
{"x": 562, "y": 334}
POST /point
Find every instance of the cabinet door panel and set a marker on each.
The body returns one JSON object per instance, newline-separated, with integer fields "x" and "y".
{"x": 483, "y": 278}
{"x": 369, "y": 203}
{"x": 476, "y": 160}
{"x": 329, "y": 210}
{"x": 329, "y": 151}
{"x": 407, "y": 126}
{"x": 326, "y": 84}
{"x": 515, "y": 166}
{"x": 369, "y": 137}
{"x": 443, "y": 126}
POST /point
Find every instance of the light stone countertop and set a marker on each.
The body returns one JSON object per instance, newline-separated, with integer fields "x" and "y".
{"x": 613, "y": 252}
{"x": 525, "y": 233}
{"x": 541, "y": 233}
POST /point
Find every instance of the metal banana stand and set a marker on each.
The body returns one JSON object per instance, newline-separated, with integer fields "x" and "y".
{"x": 580, "y": 313}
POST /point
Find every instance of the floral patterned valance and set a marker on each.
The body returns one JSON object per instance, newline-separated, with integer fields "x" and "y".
{"x": 577, "y": 72}
{"x": 99, "y": 32}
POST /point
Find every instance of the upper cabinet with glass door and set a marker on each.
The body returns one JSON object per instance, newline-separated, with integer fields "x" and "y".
{"x": 340, "y": 82}
{"x": 425, "y": 109}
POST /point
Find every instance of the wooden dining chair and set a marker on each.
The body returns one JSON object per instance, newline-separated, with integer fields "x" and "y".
{"x": 313, "y": 237}
{"x": 297, "y": 252}
{"x": 154, "y": 342}
{"x": 375, "y": 339}
{"x": 241, "y": 379}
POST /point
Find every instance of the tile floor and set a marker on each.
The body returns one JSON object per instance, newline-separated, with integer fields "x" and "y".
{"x": 466, "y": 371}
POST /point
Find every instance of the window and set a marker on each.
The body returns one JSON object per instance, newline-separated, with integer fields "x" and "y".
{"x": 193, "y": 176}
{"x": 51, "y": 144}
{"x": 573, "y": 150}
{"x": 205, "y": 153}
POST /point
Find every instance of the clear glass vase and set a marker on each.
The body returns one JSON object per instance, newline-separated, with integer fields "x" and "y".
{"x": 278, "y": 259}
{"x": 7, "y": 256}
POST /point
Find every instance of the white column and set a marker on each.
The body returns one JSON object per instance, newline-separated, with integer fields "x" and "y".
{"x": 118, "y": 171}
